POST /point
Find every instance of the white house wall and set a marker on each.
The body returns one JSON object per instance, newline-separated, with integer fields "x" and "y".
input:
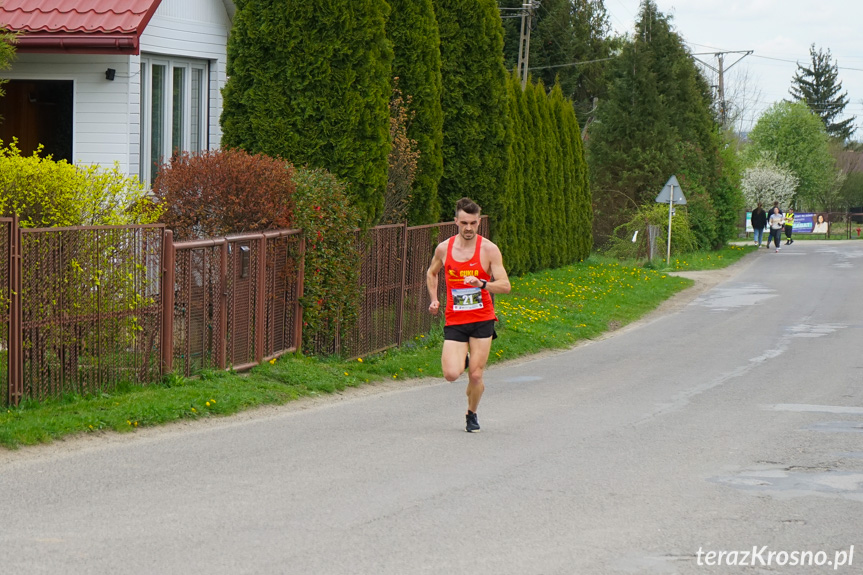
{"x": 101, "y": 108}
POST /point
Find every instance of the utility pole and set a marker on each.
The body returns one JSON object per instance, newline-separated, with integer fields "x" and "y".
{"x": 720, "y": 70}
{"x": 527, "y": 10}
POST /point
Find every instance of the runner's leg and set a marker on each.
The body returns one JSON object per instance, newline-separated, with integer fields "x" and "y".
{"x": 452, "y": 358}
{"x": 479, "y": 350}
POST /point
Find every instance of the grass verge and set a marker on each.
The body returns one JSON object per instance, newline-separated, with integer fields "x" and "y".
{"x": 552, "y": 309}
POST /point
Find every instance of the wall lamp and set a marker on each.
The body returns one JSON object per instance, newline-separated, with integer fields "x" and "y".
{"x": 109, "y": 74}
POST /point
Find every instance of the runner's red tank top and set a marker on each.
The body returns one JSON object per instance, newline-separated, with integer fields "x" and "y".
{"x": 466, "y": 304}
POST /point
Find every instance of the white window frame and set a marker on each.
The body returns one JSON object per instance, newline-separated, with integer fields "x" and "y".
{"x": 147, "y": 63}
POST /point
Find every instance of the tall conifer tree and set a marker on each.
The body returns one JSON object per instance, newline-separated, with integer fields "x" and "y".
{"x": 310, "y": 82}
{"x": 474, "y": 105}
{"x": 413, "y": 30}
{"x": 657, "y": 121}
{"x": 820, "y": 88}
{"x": 511, "y": 227}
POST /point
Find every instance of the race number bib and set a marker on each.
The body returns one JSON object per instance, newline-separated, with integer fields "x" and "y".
{"x": 464, "y": 299}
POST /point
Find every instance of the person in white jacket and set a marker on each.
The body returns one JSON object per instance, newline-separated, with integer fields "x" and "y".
{"x": 776, "y": 223}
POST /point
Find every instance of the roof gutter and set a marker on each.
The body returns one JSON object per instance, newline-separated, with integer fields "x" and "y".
{"x": 48, "y": 43}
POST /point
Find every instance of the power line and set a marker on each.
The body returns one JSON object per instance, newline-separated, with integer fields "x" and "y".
{"x": 798, "y": 62}
{"x": 573, "y": 63}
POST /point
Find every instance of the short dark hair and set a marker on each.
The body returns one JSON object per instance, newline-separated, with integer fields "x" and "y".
{"x": 467, "y": 206}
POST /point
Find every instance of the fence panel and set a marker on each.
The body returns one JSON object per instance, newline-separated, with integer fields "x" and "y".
{"x": 243, "y": 273}
{"x": 381, "y": 252}
{"x": 236, "y": 300}
{"x": 422, "y": 241}
{"x": 199, "y": 285}
{"x": 284, "y": 319}
{"x": 90, "y": 308}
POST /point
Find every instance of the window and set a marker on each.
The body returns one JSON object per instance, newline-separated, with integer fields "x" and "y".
{"x": 173, "y": 111}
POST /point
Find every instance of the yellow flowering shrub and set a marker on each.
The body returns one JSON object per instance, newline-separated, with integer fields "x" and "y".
{"x": 45, "y": 193}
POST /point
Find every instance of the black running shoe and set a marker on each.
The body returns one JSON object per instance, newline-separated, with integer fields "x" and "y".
{"x": 472, "y": 425}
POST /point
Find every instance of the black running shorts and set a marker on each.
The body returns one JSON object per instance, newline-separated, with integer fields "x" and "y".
{"x": 463, "y": 332}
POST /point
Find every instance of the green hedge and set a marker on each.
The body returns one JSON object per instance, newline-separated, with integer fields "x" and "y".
{"x": 310, "y": 82}
{"x": 545, "y": 217}
{"x": 413, "y": 30}
{"x": 474, "y": 104}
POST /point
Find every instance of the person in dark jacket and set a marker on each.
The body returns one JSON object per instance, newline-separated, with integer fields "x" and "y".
{"x": 759, "y": 222}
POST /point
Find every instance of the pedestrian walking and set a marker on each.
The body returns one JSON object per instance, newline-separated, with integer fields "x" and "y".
{"x": 789, "y": 225}
{"x": 759, "y": 222}
{"x": 777, "y": 223}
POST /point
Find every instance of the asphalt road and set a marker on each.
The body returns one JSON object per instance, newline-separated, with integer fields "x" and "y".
{"x": 730, "y": 424}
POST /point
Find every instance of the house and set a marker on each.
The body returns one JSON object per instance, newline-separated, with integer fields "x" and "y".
{"x": 125, "y": 81}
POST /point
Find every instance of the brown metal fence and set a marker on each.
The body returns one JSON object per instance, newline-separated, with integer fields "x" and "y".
{"x": 236, "y": 300}
{"x": 394, "y": 298}
{"x": 83, "y": 309}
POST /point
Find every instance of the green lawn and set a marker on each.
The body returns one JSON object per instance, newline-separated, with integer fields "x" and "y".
{"x": 552, "y": 309}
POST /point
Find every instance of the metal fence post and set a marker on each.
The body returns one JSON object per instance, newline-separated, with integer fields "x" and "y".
{"x": 401, "y": 312}
{"x": 298, "y": 306}
{"x": 261, "y": 297}
{"x": 222, "y": 335}
{"x": 169, "y": 266}
{"x": 16, "y": 349}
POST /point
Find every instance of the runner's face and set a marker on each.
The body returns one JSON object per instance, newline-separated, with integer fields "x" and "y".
{"x": 468, "y": 224}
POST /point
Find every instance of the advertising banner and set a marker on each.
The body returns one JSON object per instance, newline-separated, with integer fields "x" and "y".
{"x": 805, "y": 223}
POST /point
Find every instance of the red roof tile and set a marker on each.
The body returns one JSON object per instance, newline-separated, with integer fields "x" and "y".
{"x": 80, "y": 26}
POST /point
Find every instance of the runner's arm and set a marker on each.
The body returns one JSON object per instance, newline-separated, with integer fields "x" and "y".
{"x": 500, "y": 281}
{"x": 432, "y": 280}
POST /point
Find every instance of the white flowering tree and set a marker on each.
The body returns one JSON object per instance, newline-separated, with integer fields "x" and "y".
{"x": 767, "y": 182}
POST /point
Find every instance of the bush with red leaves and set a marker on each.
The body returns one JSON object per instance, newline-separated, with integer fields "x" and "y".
{"x": 222, "y": 192}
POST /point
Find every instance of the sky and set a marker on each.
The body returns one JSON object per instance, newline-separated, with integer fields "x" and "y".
{"x": 779, "y": 32}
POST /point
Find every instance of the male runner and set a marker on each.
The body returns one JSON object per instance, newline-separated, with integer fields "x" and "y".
{"x": 473, "y": 267}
